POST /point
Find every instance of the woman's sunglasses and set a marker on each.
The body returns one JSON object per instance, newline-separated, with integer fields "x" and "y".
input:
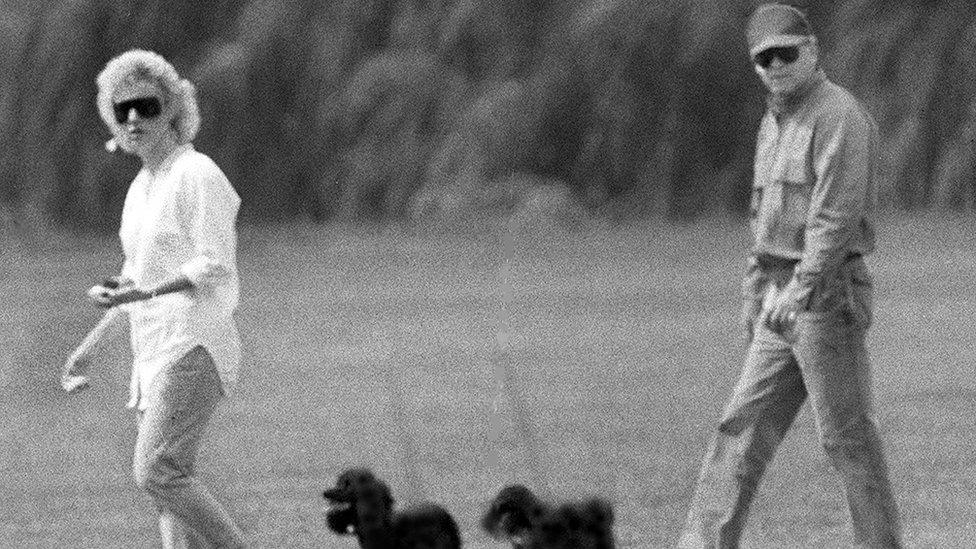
{"x": 786, "y": 54}
{"x": 145, "y": 107}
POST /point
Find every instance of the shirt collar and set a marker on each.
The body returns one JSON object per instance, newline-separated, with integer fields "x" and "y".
{"x": 150, "y": 179}
{"x": 788, "y": 103}
{"x": 176, "y": 153}
{"x": 170, "y": 158}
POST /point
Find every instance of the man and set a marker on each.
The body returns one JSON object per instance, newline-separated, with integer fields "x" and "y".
{"x": 807, "y": 295}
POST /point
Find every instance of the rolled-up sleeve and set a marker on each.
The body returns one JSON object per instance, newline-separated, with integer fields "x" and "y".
{"x": 210, "y": 207}
{"x": 844, "y": 152}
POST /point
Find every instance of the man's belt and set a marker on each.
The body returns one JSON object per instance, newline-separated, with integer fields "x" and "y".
{"x": 768, "y": 262}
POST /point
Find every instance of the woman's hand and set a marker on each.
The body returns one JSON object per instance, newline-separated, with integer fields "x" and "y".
{"x": 72, "y": 373}
{"x": 99, "y": 295}
{"x": 72, "y": 384}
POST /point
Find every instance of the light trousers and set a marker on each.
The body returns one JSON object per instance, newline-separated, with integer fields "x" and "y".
{"x": 823, "y": 358}
{"x": 181, "y": 401}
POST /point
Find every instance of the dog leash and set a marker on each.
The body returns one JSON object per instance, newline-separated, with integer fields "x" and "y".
{"x": 506, "y": 382}
{"x": 409, "y": 456}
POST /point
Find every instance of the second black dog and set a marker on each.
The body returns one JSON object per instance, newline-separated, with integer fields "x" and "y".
{"x": 516, "y": 515}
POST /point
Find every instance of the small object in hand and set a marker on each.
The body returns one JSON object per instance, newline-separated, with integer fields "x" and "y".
{"x": 98, "y": 292}
{"x": 73, "y": 384}
{"x": 110, "y": 283}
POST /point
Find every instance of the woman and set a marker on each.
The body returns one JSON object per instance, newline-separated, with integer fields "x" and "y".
{"x": 179, "y": 287}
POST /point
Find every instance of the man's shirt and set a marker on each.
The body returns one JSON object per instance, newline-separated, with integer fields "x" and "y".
{"x": 814, "y": 190}
{"x": 181, "y": 221}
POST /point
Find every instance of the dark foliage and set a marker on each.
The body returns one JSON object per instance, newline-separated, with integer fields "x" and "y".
{"x": 407, "y": 108}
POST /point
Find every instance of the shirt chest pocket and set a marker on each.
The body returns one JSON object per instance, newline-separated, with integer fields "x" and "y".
{"x": 783, "y": 188}
{"x": 788, "y": 205}
{"x": 781, "y": 199}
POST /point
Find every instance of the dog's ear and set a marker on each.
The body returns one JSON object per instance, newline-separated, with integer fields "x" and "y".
{"x": 489, "y": 520}
{"x": 492, "y": 521}
{"x": 340, "y": 521}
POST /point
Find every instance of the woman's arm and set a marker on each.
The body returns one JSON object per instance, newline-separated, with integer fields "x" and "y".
{"x": 109, "y": 329}
{"x": 210, "y": 218}
{"x": 128, "y": 294}
{"x": 208, "y": 212}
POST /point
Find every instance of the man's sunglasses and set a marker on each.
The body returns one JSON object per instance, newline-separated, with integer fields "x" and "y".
{"x": 786, "y": 54}
{"x": 145, "y": 107}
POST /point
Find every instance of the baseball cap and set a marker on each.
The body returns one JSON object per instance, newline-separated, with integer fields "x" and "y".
{"x": 776, "y": 25}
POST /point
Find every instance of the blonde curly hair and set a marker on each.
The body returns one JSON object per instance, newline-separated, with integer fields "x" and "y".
{"x": 146, "y": 66}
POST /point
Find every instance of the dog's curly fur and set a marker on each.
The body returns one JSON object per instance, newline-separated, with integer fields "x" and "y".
{"x": 516, "y": 515}
{"x": 511, "y": 514}
{"x": 362, "y": 505}
{"x": 586, "y": 524}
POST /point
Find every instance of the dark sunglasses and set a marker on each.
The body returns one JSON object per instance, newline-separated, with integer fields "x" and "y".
{"x": 145, "y": 107}
{"x": 787, "y": 55}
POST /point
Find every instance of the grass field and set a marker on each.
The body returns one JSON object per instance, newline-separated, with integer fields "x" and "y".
{"x": 378, "y": 348}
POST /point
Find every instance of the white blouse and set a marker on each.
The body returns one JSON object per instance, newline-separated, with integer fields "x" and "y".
{"x": 181, "y": 220}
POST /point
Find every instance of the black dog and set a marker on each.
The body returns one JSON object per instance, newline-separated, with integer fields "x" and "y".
{"x": 579, "y": 525}
{"x": 516, "y": 515}
{"x": 362, "y": 505}
{"x": 511, "y": 515}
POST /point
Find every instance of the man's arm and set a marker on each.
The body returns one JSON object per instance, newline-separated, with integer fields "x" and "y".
{"x": 752, "y": 298}
{"x": 844, "y": 157}
{"x": 845, "y": 154}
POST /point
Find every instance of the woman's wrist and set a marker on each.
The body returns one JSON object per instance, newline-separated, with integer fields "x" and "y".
{"x": 176, "y": 285}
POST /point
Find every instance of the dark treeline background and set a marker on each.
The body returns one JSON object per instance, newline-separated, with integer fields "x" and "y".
{"x": 418, "y": 109}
